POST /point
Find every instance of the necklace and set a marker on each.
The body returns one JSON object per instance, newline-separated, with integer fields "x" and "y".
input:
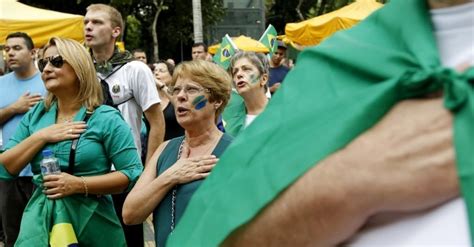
{"x": 65, "y": 119}
{"x": 175, "y": 189}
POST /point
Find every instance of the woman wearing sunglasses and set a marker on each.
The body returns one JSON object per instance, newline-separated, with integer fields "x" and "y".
{"x": 86, "y": 138}
{"x": 249, "y": 71}
{"x": 200, "y": 91}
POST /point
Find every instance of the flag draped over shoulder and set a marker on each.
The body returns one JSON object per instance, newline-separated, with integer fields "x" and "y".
{"x": 340, "y": 89}
{"x": 226, "y": 50}
{"x": 268, "y": 39}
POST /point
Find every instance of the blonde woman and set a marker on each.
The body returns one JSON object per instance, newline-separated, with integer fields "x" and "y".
{"x": 78, "y": 196}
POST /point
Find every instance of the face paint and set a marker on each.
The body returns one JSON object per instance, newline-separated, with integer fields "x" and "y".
{"x": 199, "y": 102}
{"x": 254, "y": 79}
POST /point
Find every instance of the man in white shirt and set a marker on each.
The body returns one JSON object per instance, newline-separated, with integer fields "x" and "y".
{"x": 131, "y": 86}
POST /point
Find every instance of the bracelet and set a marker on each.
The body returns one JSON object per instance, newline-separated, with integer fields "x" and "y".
{"x": 86, "y": 190}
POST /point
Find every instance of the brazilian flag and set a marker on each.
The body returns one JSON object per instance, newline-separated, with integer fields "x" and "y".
{"x": 226, "y": 50}
{"x": 338, "y": 90}
{"x": 70, "y": 221}
{"x": 269, "y": 40}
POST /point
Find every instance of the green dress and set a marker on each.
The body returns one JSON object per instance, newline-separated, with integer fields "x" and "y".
{"x": 162, "y": 213}
{"x": 107, "y": 140}
{"x": 340, "y": 88}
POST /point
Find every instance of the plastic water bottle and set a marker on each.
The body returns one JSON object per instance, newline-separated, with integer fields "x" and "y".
{"x": 49, "y": 164}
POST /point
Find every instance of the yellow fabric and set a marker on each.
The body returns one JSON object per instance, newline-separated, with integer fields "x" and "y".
{"x": 62, "y": 235}
{"x": 243, "y": 43}
{"x": 40, "y": 24}
{"x": 313, "y": 31}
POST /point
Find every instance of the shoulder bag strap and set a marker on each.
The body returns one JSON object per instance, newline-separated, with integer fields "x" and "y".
{"x": 72, "y": 153}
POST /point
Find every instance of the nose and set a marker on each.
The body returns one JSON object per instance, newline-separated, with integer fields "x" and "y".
{"x": 88, "y": 26}
{"x": 47, "y": 68}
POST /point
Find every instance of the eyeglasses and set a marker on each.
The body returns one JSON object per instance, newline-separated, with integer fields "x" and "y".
{"x": 57, "y": 61}
{"x": 188, "y": 90}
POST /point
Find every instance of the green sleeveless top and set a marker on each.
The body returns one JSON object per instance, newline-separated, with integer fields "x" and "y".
{"x": 162, "y": 214}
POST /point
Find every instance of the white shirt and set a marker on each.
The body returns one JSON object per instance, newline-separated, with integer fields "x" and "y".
{"x": 447, "y": 224}
{"x": 133, "y": 81}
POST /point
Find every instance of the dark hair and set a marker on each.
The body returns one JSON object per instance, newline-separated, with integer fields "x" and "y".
{"x": 200, "y": 44}
{"x": 28, "y": 41}
{"x": 169, "y": 66}
{"x": 137, "y": 50}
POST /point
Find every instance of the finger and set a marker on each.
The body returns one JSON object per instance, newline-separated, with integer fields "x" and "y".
{"x": 35, "y": 98}
{"x": 51, "y": 191}
{"x": 52, "y": 177}
{"x": 205, "y": 169}
{"x": 55, "y": 196}
{"x": 201, "y": 176}
{"x": 206, "y": 162}
{"x": 26, "y": 93}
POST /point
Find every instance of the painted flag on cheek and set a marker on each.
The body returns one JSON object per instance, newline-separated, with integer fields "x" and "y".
{"x": 340, "y": 89}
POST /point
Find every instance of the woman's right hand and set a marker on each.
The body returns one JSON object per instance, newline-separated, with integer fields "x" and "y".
{"x": 187, "y": 169}
{"x": 62, "y": 131}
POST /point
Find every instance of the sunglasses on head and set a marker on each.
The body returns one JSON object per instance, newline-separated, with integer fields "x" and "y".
{"x": 57, "y": 61}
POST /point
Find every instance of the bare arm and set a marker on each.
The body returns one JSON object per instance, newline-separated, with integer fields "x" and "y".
{"x": 16, "y": 158}
{"x": 150, "y": 189}
{"x": 22, "y": 105}
{"x": 404, "y": 163}
{"x": 147, "y": 192}
{"x": 274, "y": 87}
{"x": 154, "y": 115}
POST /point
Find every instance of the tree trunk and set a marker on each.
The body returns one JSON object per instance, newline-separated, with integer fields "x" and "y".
{"x": 159, "y": 6}
{"x": 298, "y": 10}
{"x": 197, "y": 21}
{"x": 322, "y": 7}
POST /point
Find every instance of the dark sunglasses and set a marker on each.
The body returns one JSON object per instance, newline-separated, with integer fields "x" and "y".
{"x": 57, "y": 61}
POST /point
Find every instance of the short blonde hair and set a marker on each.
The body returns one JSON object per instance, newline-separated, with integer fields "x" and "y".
{"x": 208, "y": 75}
{"x": 114, "y": 15}
{"x": 90, "y": 92}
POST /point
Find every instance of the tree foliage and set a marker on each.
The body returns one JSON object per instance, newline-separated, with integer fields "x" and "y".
{"x": 174, "y": 26}
{"x": 281, "y": 12}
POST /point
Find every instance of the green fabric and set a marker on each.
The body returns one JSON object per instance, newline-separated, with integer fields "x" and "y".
{"x": 117, "y": 58}
{"x": 340, "y": 89}
{"x": 162, "y": 213}
{"x": 225, "y": 52}
{"x": 234, "y": 115}
{"x": 107, "y": 140}
{"x": 269, "y": 40}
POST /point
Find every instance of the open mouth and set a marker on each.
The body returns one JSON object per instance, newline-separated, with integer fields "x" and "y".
{"x": 182, "y": 110}
{"x": 88, "y": 37}
{"x": 240, "y": 83}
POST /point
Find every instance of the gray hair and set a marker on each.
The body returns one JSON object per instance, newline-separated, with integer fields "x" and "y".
{"x": 259, "y": 60}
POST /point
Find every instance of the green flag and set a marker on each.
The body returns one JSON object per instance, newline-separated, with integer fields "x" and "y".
{"x": 340, "y": 89}
{"x": 269, "y": 40}
{"x": 226, "y": 50}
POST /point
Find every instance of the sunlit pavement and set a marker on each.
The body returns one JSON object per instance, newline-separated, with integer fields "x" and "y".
{"x": 147, "y": 231}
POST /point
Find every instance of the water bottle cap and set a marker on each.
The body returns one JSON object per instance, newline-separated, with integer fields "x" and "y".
{"x": 47, "y": 152}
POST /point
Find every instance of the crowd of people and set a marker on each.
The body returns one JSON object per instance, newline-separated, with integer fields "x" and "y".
{"x": 235, "y": 157}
